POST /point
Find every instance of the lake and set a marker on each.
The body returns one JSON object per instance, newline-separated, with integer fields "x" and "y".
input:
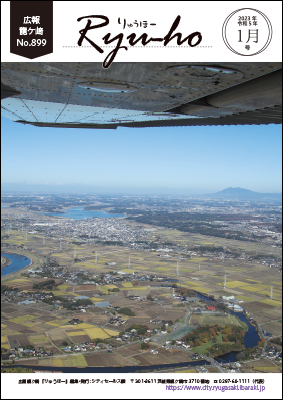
{"x": 18, "y": 262}
{"x": 79, "y": 213}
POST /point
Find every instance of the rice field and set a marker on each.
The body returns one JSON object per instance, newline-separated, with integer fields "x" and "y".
{"x": 158, "y": 263}
{"x": 22, "y": 318}
{"x": 111, "y": 286}
{"x": 267, "y": 293}
{"x": 111, "y": 332}
{"x": 96, "y": 333}
{"x": 252, "y": 288}
{"x": 194, "y": 287}
{"x": 28, "y": 324}
{"x": 57, "y": 362}
{"x": 75, "y": 361}
{"x": 63, "y": 293}
{"x": 277, "y": 283}
{"x": 239, "y": 269}
{"x": 64, "y": 327}
{"x": 202, "y": 272}
{"x": 188, "y": 285}
{"x": 75, "y": 333}
{"x": 128, "y": 271}
{"x": 127, "y": 284}
{"x": 84, "y": 325}
{"x": 16, "y": 241}
{"x": 192, "y": 283}
{"x": 271, "y": 302}
{"x": 38, "y": 339}
{"x": 69, "y": 361}
{"x": 15, "y": 333}
{"x": 63, "y": 287}
{"x": 164, "y": 269}
{"x": 82, "y": 329}
{"x": 233, "y": 284}
{"x": 24, "y": 279}
{"x": 268, "y": 369}
{"x": 261, "y": 286}
{"x": 244, "y": 298}
{"x": 97, "y": 299}
{"x": 56, "y": 322}
{"x": 5, "y": 332}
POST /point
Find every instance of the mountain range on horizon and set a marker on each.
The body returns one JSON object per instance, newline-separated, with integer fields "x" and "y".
{"x": 244, "y": 194}
{"x": 228, "y": 193}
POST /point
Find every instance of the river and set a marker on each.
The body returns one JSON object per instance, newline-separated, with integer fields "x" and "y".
{"x": 18, "y": 262}
{"x": 108, "y": 370}
{"x": 251, "y": 338}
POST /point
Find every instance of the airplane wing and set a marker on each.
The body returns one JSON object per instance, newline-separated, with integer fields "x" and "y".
{"x": 84, "y": 95}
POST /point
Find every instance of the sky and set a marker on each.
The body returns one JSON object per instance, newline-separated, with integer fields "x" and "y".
{"x": 173, "y": 160}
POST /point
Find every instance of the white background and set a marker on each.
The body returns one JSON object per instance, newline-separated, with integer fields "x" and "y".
{"x": 13, "y": 390}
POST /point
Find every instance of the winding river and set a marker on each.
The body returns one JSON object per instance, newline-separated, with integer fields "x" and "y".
{"x": 18, "y": 262}
{"x": 251, "y": 338}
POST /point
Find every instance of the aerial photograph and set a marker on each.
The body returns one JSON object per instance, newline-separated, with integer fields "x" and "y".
{"x": 141, "y": 217}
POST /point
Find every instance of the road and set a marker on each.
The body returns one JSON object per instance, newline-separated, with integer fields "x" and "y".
{"x": 214, "y": 364}
{"x": 158, "y": 338}
{"x": 163, "y": 337}
{"x": 261, "y": 335}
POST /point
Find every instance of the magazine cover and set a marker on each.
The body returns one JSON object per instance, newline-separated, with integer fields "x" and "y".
{"x": 141, "y": 200}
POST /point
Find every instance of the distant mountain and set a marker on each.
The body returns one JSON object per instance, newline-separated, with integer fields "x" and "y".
{"x": 244, "y": 194}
